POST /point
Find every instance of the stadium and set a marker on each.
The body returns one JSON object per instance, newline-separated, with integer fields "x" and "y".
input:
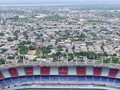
{"x": 63, "y": 75}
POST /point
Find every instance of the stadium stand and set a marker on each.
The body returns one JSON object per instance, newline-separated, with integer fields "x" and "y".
{"x": 63, "y": 70}
{"x": 97, "y": 71}
{"x": 72, "y": 70}
{"x": 53, "y": 78}
{"x": 81, "y": 79}
{"x": 45, "y": 70}
{"x": 81, "y": 70}
{"x": 63, "y": 74}
{"x": 89, "y": 70}
{"x": 72, "y": 78}
{"x": 21, "y": 71}
{"x": 1, "y": 76}
{"x": 53, "y": 71}
{"x": 96, "y": 79}
{"x": 16, "y": 80}
{"x": 89, "y": 79}
{"x": 105, "y": 71}
{"x": 44, "y": 78}
{"x": 5, "y": 73}
{"x": 13, "y": 72}
{"x": 36, "y": 71}
{"x": 113, "y": 72}
{"x": 29, "y": 71}
{"x": 36, "y": 78}
{"x": 23, "y": 79}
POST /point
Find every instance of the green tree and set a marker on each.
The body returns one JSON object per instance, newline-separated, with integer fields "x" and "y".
{"x": 107, "y": 60}
{"x": 1, "y": 34}
{"x": 32, "y": 47}
{"x": 22, "y": 49}
{"x": 45, "y": 50}
{"x": 20, "y": 61}
{"x": 59, "y": 48}
{"x": 115, "y": 59}
{"x": 91, "y": 55}
{"x": 82, "y": 37}
{"x": 70, "y": 56}
{"x": 10, "y": 39}
{"x": 2, "y": 61}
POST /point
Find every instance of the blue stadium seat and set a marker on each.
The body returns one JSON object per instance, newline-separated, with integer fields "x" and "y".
{"x": 81, "y": 78}
{"x": 96, "y": 79}
{"x": 23, "y": 79}
{"x": 104, "y": 80}
{"x": 36, "y": 78}
{"x": 71, "y": 78}
{"x": 15, "y": 80}
{"x": 117, "y": 82}
{"x": 53, "y": 78}
{"x": 2, "y": 83}
{"x": 111, "y": 81}
{"x": 63, "y": 78}
{"x": 30, "y": 78}
{"x": 89, "y": 78}
{"x": 9, "y": 81}
{"x": 44, "y": 78}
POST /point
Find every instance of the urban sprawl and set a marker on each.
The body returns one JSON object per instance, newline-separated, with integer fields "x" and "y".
{"x": 59, "y": 34}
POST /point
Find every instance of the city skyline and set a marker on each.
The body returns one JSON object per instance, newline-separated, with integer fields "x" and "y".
{"x": 60, "y": 1}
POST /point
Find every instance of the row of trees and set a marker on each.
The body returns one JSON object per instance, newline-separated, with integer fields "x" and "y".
{"x": 89, "y": 54}
{"x": 112, "y": 59}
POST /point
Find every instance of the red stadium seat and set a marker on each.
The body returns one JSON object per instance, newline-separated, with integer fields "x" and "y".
{"x": 113, "y": 72}
{"x": 45, "y": 70}
{"x": 97, "y": 71}
{"x": 81, "y": 70}
{"x": 1, "y": 76}
{"x": 13, "y": 72}
{"x": 63, "y": 70}
{"x": 29, "y": 71}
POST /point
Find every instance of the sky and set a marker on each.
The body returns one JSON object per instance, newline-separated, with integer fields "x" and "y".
{"x": 62, "y": 1}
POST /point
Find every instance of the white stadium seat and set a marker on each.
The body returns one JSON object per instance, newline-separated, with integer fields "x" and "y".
{"x": 53, "y": 71}
{"x": 89, "y": 70}
{"x": 36, "y": 71}
{"x": 72, "y": 70}
{"x": 105, "y": 71}
{"x": 21, "y": 71}
{"x": 6, "y": 74}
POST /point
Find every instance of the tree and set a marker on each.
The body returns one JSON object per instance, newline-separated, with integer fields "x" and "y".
{"x": 59, "y": 48}
{"x": 45, "y": 50}
{"x": 2, "y": 61}
{"x": 22, "y": 49}
{"x": 105, "y": 54}
{"x": 32, "y": 47}
{"x": 1, "y": 34}
{"x": 91, "y": 55}
{"x": 115, "y": 59}
{"x": 70, "y": 56}
{"x": 10, "y": 39}
{"x": 107, "y": 60}
{"x": 20, "y": 61}
{"x": 58, "y": 53}
{"x": 81, "y": 36}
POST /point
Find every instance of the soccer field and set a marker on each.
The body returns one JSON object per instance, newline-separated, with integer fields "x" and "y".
{"x": 59, "y": 89}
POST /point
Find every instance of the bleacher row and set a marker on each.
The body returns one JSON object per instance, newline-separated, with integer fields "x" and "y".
{"x": 78, "y": 74}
